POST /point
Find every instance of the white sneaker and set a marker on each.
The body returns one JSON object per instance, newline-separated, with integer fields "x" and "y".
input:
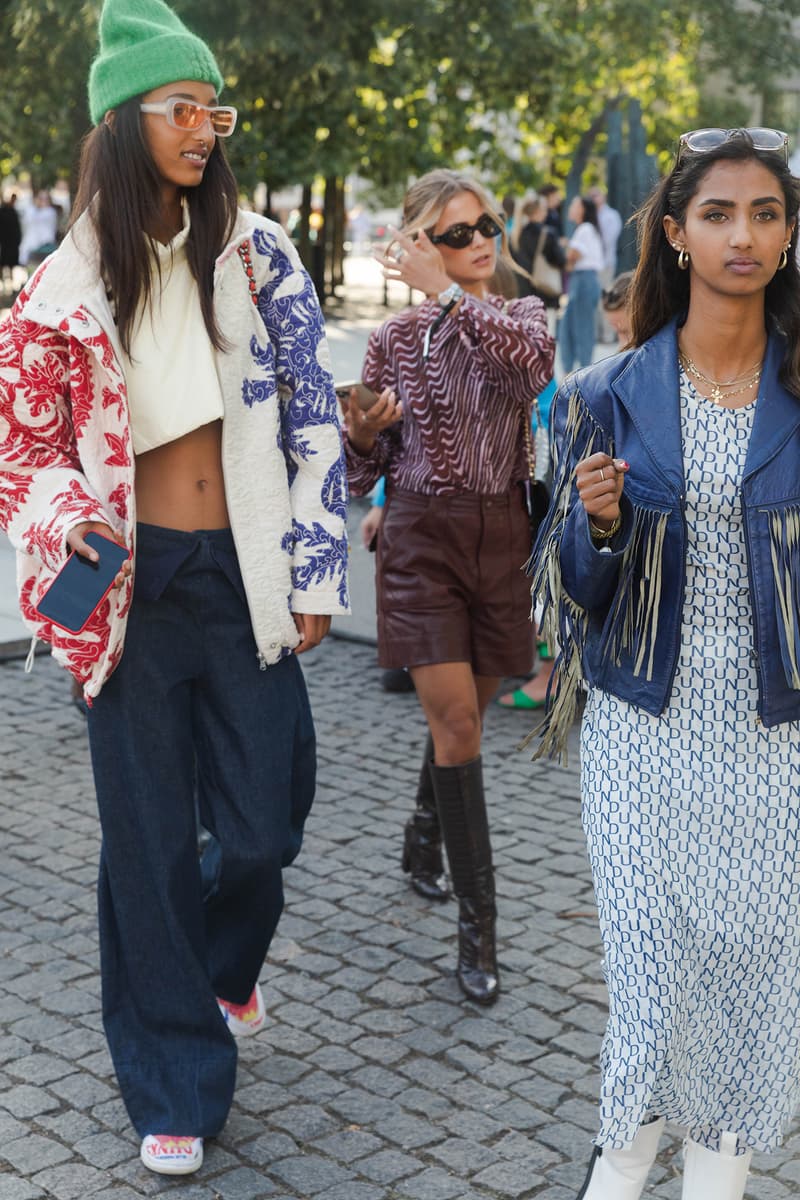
{"x": 245, "y": 1019}
{"x": 172, "y": 1155}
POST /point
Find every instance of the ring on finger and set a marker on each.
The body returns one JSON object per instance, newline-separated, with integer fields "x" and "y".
{"x": 602, "y": 475}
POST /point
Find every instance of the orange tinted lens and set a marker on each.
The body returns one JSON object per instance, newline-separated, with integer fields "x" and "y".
{"x": 187, "y": 116}
{"x": 222, "y": 120}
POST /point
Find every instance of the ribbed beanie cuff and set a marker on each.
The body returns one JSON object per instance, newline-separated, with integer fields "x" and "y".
{"x": 144, "y": 45}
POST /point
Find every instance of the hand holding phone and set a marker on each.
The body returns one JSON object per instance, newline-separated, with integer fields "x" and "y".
{"x": 84, "y": 581}
{"x": 357, "y": 392}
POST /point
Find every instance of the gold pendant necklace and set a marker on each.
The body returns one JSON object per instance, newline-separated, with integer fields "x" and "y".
{"x": 747, "y": 380}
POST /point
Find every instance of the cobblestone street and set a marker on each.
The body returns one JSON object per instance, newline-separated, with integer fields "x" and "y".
{"x": 374, "y": 1080}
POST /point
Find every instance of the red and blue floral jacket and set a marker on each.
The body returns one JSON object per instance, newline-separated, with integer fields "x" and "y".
{"x": 65, "y": 439}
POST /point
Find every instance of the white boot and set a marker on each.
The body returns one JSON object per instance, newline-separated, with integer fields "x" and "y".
{"x": 622, "y": 1174}
{"x": 708, "y": 1175}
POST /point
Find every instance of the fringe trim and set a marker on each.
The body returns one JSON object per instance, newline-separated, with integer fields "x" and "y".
{"x": 565, "y": 683}
{"x": 632, "y": 624}
{"x": 633, "y": 619}
{"x": 563, "y": 623}
{"x": 784, "y": 536}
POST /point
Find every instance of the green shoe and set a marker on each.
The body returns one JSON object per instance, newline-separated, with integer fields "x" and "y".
{"x": 518, "y": 699}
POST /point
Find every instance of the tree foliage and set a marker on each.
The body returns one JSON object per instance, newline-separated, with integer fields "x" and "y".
{"x": 388, "y": 89}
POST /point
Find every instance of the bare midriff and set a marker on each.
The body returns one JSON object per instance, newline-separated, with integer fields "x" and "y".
{"x": 180, "y": 485}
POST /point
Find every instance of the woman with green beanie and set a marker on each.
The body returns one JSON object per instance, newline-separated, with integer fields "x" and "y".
{"x": 165, "y": 384}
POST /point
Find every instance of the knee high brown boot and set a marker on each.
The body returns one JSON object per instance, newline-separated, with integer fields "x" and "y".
{"x": 422, "y": 844}
{"x": 462, "y": 813}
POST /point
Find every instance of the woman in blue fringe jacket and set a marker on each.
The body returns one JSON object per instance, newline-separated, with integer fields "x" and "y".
{"x": 669, "y": 571}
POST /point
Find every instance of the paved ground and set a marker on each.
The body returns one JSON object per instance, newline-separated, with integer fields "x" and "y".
{"x": 374, "y": 1079}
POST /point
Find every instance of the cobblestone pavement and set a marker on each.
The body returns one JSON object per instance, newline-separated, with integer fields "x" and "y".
{"x": 374, "y": 1080}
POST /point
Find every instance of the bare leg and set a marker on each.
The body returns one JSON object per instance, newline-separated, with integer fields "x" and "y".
{"x": 454, "y": 701}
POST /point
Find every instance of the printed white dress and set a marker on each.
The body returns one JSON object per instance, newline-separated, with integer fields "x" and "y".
{"x": 693, "y": 827}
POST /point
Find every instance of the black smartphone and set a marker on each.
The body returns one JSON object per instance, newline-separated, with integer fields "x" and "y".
{"x": 81, "y": 585}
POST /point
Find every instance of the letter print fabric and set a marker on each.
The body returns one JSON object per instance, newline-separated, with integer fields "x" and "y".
{"x": 692, "y": 827}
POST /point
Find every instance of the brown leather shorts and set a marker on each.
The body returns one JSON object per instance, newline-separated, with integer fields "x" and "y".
{"x": 450, "y": 582}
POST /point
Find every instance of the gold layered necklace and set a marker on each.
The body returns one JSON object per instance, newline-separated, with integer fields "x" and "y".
{"x": 722, "y": 391}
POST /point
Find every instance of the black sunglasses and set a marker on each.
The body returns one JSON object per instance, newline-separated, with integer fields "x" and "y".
{"x": 613, "y": 297}
{"x": 457, "y": 237}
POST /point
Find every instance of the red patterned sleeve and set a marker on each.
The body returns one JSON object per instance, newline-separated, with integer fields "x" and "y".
{"x": 516, "y": 340}
{"x": 43, "y": 492}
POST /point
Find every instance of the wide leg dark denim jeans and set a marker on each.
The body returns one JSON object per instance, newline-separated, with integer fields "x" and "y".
{"x": 189, "y": 713}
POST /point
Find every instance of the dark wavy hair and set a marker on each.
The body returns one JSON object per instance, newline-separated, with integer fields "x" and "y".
{"x": 121, "y": 187}
{"x": 660, "y": 290}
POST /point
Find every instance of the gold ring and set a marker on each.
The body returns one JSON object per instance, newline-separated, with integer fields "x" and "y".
{"x": 602, "y": 475}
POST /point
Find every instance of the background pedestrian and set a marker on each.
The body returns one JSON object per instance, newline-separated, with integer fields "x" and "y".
{"x": 10, "y": 237}
{"x": 585, "y": 259}
{"x": 615, "y": 302}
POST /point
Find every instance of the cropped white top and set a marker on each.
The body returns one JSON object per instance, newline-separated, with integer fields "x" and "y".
{"x": 170, "y": 372}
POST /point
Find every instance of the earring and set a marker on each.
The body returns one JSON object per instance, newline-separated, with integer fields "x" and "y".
{"x": 783, "y": 260}
{"x": 683, "y": 259}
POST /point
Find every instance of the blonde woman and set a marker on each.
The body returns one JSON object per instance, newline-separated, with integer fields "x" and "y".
{"x": 454, "y": 378}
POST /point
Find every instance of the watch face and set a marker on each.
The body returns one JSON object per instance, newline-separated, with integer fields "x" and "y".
{"x": 454, "y": 292}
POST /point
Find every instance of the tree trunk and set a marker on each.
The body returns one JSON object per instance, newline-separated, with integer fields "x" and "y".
{"x": 341, "y": 228}
{"x": 304, "y": 229}
{"x": 584, "y": 149}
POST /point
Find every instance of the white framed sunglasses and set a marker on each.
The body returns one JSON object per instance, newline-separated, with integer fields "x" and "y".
{"x": 188, "y": 115}
{"x": 702, "y": 141}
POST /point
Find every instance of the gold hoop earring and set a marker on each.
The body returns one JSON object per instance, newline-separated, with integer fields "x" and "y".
{"x": 683, "y": 259}
{"x": 783, "y": 260}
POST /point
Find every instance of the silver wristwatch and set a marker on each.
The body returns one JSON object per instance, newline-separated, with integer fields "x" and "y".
{"x": 451, "y": 295}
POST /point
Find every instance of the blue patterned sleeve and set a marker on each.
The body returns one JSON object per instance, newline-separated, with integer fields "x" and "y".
{"x": 310, "y": 428}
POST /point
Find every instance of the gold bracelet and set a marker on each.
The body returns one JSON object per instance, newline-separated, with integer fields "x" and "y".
{"x": 602, "y": 535}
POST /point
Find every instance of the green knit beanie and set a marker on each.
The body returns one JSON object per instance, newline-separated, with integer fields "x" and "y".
{"x": 143, "y": 45}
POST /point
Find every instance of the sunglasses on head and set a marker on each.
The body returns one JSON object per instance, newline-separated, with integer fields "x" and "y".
{"x": 187, "y": 114}
{"x": 701, "y": 141}
{"x": 613, "y": 297}
{"x": 459, "y": 236}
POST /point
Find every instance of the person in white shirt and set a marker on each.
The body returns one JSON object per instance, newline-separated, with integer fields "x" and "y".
{"x": 39, "y": 229}
{"x": 609, "y": 223}
{"x": 585, "y": 261}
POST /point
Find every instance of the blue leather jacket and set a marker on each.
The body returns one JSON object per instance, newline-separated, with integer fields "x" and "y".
{"x": 616, "y": 612}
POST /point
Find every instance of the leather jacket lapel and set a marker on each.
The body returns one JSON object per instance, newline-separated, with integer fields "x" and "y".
{"x": 648, "y": 389}
{"x": 777, "y": 412}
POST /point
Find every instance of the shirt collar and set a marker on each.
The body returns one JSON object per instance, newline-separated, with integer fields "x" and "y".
{"x": 177, "y": 246}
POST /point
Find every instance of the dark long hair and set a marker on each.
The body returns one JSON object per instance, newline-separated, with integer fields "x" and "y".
{"x": 120, "y": 186}
{"x": 660, "y": 290}
{"x": 589, "y": 212}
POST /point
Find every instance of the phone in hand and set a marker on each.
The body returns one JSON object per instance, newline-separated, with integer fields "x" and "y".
{"x": 81, "y": 585}
{"x": 364, "y": 397}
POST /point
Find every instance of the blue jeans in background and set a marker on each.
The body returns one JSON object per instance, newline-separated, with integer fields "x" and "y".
{"x": 576, "y": 329}
{"x": 189, "y": 706}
